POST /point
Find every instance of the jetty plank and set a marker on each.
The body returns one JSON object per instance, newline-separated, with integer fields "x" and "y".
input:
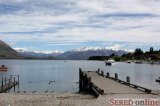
{"x": 111, "y": 86}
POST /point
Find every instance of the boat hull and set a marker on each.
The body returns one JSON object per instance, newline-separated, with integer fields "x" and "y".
{"x": 3, "y": 69}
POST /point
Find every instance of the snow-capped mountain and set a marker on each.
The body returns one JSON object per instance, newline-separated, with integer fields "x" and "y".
{"x": 98, "y": 48}
{"x": 38, "y": 54}
{"x": 75, "y": 54}
{"x": 86, "y": 52}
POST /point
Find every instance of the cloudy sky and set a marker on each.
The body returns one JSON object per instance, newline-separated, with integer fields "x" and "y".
{"x": 67, "y": 24}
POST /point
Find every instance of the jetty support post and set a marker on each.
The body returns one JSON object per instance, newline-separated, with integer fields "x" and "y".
{"x": 108, "y": 74}
{"x": 14, "y": 83}
{"x": 80, "y": 80}
{"x": 85, "y": 86}
{"x": 5, "y": 80}
{"x": 102, "y": 72}
{"x": 90, "y": 85}
{"x": 128, "y": 79}
{"x": 2, "y": 85}
{"x": 18, "y": 82}
{"x": 116, "y": 76}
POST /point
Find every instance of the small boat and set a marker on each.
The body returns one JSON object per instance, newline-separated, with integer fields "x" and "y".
{"x": 109, "y": 62}
{"x": 157, "y": 63}
{"x": 138, "y": 62}
{"x": 3, "y": 68}
{"x": 128, "y": 61}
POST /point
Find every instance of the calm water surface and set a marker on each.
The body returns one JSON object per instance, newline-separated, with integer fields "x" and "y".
{"x": 35, "y": 75}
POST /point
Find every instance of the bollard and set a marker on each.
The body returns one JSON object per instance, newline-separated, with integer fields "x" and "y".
{"x": 98, "y": 70}
{"x": 128, "y": 79}
{"x": 116, "y": 76}
{"x": 108, "y": 75}
{"x": 80, "y": 69}
{"x": 102, "y": 92}
{"x": 102, "y": 72}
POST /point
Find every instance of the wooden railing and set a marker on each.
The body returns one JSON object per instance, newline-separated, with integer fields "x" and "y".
{"x": 127, "y": 82}
{"x": 7, "y": 84}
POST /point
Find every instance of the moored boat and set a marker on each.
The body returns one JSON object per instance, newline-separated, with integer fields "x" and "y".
{"x": 129, "y": 61}
{"x": 139, "y": 62}
{"x": 109, "y": 62}
{"x": 3, "y": 68}
{"x": 152, "y": 62}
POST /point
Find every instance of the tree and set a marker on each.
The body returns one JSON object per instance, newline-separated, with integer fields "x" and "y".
{"x": 151, "y": 49}
{"x": 138, "y": 52}
{"x": 112, "y": 55}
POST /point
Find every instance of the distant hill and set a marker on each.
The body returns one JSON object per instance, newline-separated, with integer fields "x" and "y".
{"x": 6, "y": 52}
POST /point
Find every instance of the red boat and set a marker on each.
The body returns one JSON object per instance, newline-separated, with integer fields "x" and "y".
{"x": 3, "y": 68}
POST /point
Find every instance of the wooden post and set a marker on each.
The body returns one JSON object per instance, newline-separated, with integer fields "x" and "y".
{"x": 128, "y": 79}
{"x": 18, "y": 82}
{"x": 116, "y": 76}
{"x": 2, "y": 85}
{"x": 90, "y": 85}
{"x": 85, "y": 83}
{"x": 98, "y": 70}
{"x": 102, "y": 91}
{"x": 14, "y": 83}
{"x": 5, "y": 80}
{"x": 108, "y": 74}
{"x": 10, "y": 80}
{"x": 18, "y": 78}
{"x": 102, "y": 72}
{"x": 80, "y": 79}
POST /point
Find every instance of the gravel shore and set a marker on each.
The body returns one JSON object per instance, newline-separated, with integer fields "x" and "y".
{"x": 46, "y": 99}
{"x": 62, "y": 99}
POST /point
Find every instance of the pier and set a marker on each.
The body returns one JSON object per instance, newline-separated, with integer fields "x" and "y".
{"x": 100, "y": 84}
{"x": 6, "y": 84}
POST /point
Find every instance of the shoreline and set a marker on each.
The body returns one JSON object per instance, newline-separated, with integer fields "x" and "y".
{"x": 45, "y": 99}
{"x": 63, "y": 99}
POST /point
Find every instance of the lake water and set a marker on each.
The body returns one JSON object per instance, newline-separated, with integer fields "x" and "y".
{"x": 35, "y": 75}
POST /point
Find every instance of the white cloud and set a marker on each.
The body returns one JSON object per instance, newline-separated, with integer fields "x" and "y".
{"x": 115, "y": 47}
{"x": 64, "y": 21}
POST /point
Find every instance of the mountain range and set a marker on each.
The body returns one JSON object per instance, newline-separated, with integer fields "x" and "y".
{"x": 38, "y": 54}
{"x": 76, "y": 54}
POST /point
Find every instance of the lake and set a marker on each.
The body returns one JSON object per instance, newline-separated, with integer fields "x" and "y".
{"x": 35, "y": 75}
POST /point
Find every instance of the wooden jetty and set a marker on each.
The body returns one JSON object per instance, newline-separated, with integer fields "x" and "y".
{"x": 97, "y": 82}
{"x": 7, "y": 84}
